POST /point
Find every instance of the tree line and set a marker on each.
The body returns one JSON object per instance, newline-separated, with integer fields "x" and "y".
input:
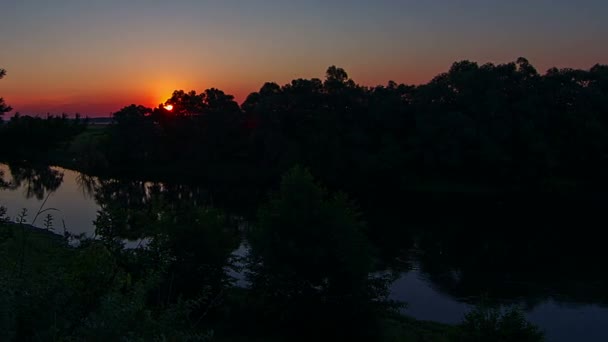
{"x": 504, "y": 126}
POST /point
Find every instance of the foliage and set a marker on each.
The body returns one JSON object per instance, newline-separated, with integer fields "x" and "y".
{"x": 86, "y": 151}
{"x": 193, "y": 244}
{"x": 503, "y": 126}
{"x": 200, "y": 242}
{"x": 33, "y": 138}
{"x": 84, "y": 293}
{"x": 486, "y": 324}
{"x": 310, "y": 262}
{"x": 128, "y": 316}
{"x": 201, "y": 128}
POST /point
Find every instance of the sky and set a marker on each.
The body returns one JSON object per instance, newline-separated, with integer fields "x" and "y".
{"x": 94, "y": 57}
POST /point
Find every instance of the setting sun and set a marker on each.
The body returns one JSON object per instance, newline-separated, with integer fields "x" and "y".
{"x": 169, "y": 107}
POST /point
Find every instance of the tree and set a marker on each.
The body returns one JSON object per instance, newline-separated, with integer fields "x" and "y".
{"x": 133, "y": 137}
{"x": 4, "y": 108}
{"x": 186, "y": 103}
{"x": 310, "y": 260}
{"x": 336, "y": 77}
{"x": 132, "y": 114}
{"x": 193, "y": 104}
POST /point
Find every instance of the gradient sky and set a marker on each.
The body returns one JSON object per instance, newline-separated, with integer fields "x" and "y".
{"x": 94, "y": 57}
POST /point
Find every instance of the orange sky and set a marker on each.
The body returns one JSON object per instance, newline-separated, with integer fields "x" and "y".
{"x": 95, "y": 57}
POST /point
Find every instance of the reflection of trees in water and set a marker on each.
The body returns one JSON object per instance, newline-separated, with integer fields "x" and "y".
{"x": 194, "y": 241}
{"x": 129, "y": 208}
{"x": 36, "y": 181}
{"x": 87, "y": 184}
{"x": 520, "y": 263}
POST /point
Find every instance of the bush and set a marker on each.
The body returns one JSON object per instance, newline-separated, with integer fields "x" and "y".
{"x": 487, "y": 324}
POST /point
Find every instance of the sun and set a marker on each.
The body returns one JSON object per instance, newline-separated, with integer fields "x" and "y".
{"x": 169, "y": 107}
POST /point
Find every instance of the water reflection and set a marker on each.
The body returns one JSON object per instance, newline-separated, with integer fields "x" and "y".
{"x": 516, "y": 266}
{"x": 87, "y": 184}
{"x": 36, "y": 181}
{"x": 128, "y": 209}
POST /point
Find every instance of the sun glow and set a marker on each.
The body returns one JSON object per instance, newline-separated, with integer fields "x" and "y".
{"x": 169, "y": 107}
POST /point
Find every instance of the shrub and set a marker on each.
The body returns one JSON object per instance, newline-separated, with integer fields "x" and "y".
{"x": 488, "y": 324}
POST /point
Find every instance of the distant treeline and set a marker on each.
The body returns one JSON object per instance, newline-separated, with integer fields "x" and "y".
{"x": 493, "y": 126}
{"x": 26, "y": 138}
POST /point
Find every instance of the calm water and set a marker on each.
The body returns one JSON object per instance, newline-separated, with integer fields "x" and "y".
{"x": 566, "y": 299}
{"x": 560, "y": 321}
{"x": 75, "y": 206}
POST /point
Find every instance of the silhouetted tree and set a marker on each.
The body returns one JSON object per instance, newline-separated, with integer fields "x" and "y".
{"x": 134, "y": 136}
{"x": 3, "y": 106}
{"x": 310, "y": 261}
{"x": 186, "y": 103}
